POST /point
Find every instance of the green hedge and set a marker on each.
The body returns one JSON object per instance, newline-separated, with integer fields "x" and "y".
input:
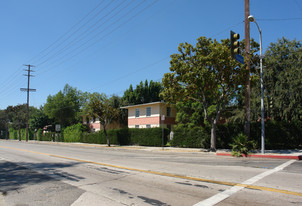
{"x": 148, "y": 136}
{"x": 278, "y": 135}
{"x": 74, "y": 133}
{"x": 14, "y": 134}
{"x": 196, "y": 137}
{"x": 143, "y": 137}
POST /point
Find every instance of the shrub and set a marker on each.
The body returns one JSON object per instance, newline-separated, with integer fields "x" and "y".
{"x": 148, "y": 136}
{"x": 13, "y": 134}
{"x": 39, "y": 134}
{"x": 196, "y": 137}
{"x": 125, "y": 136}
{"x": 241, "y": 145}
{"x": 74, "y": 133}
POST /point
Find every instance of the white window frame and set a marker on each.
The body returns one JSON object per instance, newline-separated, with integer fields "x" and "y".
{"x": 137, "y": 112}
{"x": 148, "y": 112}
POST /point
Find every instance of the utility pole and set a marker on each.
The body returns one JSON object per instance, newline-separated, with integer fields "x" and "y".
{"x": 28, "y": 90}
{"x": 247, "y": 106}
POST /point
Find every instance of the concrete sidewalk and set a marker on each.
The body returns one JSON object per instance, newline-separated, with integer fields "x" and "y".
{"x": 276, "y": 154}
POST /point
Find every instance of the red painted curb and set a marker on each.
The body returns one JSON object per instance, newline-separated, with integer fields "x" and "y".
{"x": 296, "y": 157}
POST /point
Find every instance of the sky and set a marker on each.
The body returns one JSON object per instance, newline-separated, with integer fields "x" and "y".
{"x": 104, "y": 46}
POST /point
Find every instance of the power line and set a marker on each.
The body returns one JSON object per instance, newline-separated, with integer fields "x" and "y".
{"x": 285, "y": 19}
{"x": 68, "y": 31}
{"x": 102, "y": 37}
{"x": 83, "y": 33}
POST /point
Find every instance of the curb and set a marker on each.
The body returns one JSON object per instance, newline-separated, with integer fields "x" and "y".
{"x": 296, "y": 157}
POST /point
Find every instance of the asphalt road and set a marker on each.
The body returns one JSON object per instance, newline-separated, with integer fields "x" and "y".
{"x": 55, "y": 174}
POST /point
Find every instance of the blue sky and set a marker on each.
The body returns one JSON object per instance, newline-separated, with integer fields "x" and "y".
{"x": 104, "y": 46}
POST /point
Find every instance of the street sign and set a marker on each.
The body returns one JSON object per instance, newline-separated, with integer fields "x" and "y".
{"x": 58, "y": 128}
{"x": 240, "y": 58}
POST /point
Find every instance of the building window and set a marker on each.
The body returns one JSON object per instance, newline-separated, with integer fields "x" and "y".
{"x": 148, "y": 111}
{"x": 148, "y": 126}
{"x": 136, "y": 126}
{"x": 168, "y": 111}
{"x": 136, "y": 112}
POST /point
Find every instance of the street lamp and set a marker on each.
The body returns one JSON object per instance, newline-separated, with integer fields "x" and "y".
{"x": 251, "y": 18}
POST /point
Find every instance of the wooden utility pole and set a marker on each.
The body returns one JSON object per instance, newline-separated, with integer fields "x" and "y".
{"x": 28, "y": 90}
{"x": 247, "y": 106}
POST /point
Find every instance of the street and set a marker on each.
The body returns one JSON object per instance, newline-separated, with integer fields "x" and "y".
{"x": 33, "y": 173}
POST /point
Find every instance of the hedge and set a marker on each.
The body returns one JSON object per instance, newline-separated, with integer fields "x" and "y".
{"x": 142, "y": 137}
{"x": 74, "y": 133}
{"x": 278, "y": 135}
{"x": 14, "y": 134}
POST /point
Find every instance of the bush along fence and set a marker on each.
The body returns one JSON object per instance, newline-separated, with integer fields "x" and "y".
{"x": 278, "y": 135}
{"x": 125, "y": 136}
{"x": 141, "y": 137}
{"x": 14, "y": 134}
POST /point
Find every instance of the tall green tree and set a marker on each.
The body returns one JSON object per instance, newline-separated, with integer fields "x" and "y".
{"x": 64, "y": 107}
{"x": 143, "y": 93}
{"x": 283, "y": 80}
{"x": 3, "y": 124}
{"x": 38, "y": 119}
{"x": 17, "y": 117}
{"x": 99, "y": 106}
{"x": 206, "y": 74}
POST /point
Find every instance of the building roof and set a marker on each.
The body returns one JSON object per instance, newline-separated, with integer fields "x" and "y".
{"x": 139, "y": 105}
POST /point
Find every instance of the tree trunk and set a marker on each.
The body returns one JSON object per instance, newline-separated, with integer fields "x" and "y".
{"x": 213, "y": 136}
{"x": 105, "y": 132}
{"x": 19, "y": 134}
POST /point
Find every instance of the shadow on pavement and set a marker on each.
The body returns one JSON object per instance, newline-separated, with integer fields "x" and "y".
{"x": 15, "y": 177}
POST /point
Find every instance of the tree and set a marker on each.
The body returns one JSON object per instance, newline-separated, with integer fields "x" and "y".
{"x": 3, "y": 124}
{"x": 17, "y": 117}
{"x": 38, "y": 119}
{"x": 143, "y": 93}
{"x": 206, "y": 74}
{"x": 99, "y": 106}
{"x": 64, "y": 107}
{"x": 282, "y": 80}
{"x": 116, "y": 102}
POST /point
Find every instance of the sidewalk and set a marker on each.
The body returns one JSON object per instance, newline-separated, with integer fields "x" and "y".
{"x": 275, "y": 154}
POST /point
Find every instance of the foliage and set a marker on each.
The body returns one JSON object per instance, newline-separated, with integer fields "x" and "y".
{"x": 206, "y": 74}
{"x": 38, "y": 119}
{"x": 241, "y": 145}
{"x": 282, "y": 80}
{"x": 195, "y": 137}
{"x": 116, "y": 102}
{"x": 148, "y": 136}
{"x": 98, "y": 106}
{"x": 14, "y": 134}
{"x": 39, "y": 134}
{"x": 3, "y": 124}
{"x": 49, "y": 136}
{"x": 125, "y": 136}
{"x": 64, "y": 107}
{"x": 190, "y": 113}
{"x": 74, "y": 133}
{"x": 143, "y": 93}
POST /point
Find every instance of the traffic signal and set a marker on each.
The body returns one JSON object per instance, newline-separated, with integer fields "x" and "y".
{"x": 234, "y": 44}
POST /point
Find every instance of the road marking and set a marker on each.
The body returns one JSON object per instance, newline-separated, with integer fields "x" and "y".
{"x": 246, "y": 184}
{"x": 229, "y": 192}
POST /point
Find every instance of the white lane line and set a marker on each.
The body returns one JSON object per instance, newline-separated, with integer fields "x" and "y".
{"x": 227, "y": 193}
